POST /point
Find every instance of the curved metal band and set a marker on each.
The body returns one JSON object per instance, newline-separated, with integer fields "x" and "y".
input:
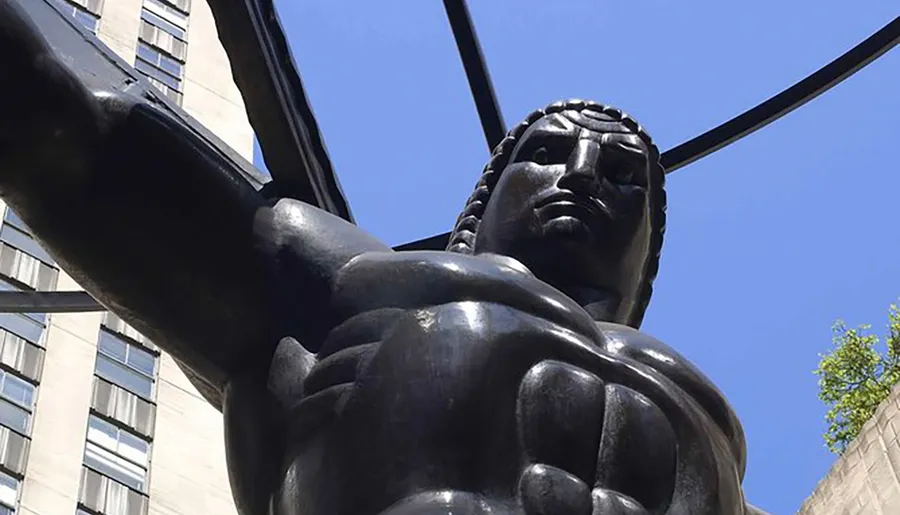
{"x": 783, "y": 103}
{"x": 756, "y": 118}
{"x": 476, "y": 72}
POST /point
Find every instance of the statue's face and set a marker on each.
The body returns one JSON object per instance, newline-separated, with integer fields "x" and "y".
{"x": 572, "y": 202}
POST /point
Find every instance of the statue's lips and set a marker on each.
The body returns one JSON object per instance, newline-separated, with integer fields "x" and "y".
{"x": 588, "y": 209}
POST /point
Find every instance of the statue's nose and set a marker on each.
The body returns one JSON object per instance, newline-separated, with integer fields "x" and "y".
{"x": 582, "y": 167}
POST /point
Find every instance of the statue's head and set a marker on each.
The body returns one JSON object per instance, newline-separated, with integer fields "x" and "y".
{"x": 575, "y": 193}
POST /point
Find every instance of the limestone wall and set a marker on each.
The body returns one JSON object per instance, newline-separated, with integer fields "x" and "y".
{"x": 866, "y": 479}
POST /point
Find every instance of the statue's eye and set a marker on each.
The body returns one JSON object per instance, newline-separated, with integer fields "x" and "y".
{"x": 540, "y": 156}
{"x": 622, "y": 161}
{"x": 622, "y": 173}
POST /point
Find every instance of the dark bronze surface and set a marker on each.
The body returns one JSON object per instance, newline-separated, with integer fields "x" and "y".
{"x": 499, "y": 377}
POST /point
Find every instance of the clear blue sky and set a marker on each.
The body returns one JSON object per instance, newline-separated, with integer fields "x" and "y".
{"x": 768, "y": 242}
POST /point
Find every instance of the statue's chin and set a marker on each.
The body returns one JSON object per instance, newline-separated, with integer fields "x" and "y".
{"x": 568, "y": 228}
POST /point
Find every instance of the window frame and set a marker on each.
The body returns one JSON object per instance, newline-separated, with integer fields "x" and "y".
{"x": 119, "y": 429}
{"x": 115, "y": 361}
{"x": 65, "y": 6}
{"x": 18, "y": 490}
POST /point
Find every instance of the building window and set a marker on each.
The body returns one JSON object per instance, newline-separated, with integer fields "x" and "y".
{"x": 164, "y": 40}
{"x": 9, "y": 493}
{"x": 18, "y": 354}
{"x": 117, "y": 453}
{"x": 40, "y": 318}
{"x": 13, "y": 451}
{"x": 16, "y": 402}
{"x": 175, "y": 29}
{"x": 13, "y": 219}
{"x": 174, "y": 10}
{"x": 126, "y": 365}
{"x": 23, "y": 259}
{"x": 163, "y": 72}
{"x": 103, "y": 495}
{"x": 115, "y": 324}
{"x": 22, "y": 326}
{"x": 27, "y": 269}
{"x": 162, "y": 45}
{"x": 117, "y": 403}
{"x": 23, "y": 241}
{"x": 85, "y": 12}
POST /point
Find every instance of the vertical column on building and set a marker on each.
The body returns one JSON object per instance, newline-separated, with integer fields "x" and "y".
{"x": 162, "y": 45}
{"x": 24, "y": 266}
{"x": 121, "y": 420}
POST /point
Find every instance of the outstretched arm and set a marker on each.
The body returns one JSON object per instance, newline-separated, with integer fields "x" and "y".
{"x": 154, "y": 223}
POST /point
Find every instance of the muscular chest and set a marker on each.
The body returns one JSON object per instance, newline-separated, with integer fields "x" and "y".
{"x": 376, "y": 290}
{"x": 441, "y": 314}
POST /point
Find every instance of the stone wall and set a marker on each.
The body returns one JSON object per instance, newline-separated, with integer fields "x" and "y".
{"x": 866, "y": 479}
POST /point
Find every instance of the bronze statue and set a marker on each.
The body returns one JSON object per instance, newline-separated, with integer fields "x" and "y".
{"x": 505, "y": 376}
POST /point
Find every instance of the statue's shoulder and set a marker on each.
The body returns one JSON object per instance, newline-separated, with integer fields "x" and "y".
{"x": 631, "y": 343}
{"x": 639, "y": 346}
{"x": 298, "y": 233}
{"x": 417, "y": 279}
{"x": 439, "y": 270}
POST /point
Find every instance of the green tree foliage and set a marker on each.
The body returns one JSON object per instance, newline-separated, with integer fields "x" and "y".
{"x": 856, "y": 376}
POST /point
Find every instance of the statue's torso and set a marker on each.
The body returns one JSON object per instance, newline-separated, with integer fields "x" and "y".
{"x": 449, "y": 378}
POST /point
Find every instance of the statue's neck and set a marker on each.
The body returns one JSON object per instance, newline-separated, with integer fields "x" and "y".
{"x": 601, "y": 305}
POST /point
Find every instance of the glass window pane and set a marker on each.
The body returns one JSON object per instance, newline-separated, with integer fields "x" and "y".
{"x": 113, "y": 347}
{"x": 170, "y": 65}
{"x": 25, "y": 242}
{"x": 13, "y": 219}
{"x": 22, "y": 326}
{"x": 126, "y": 378}
{"x": 102, "y": 433}
{"x": 113, "y": 466}
{"x": 167, "y": 8}
{"x": 141, "y": 360}
{"x": 8, "y": 490}
{"x": 18, "y": 391}
{"x": 163, "y": 24}
{"x": 13, "y": 417}
{"x": 154, "y": 72}
{"x": 87, "y": 20}
{"x": 147, "y": 53}
{"x": 12, "y": 349}
{"x": 133, "y": 448}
